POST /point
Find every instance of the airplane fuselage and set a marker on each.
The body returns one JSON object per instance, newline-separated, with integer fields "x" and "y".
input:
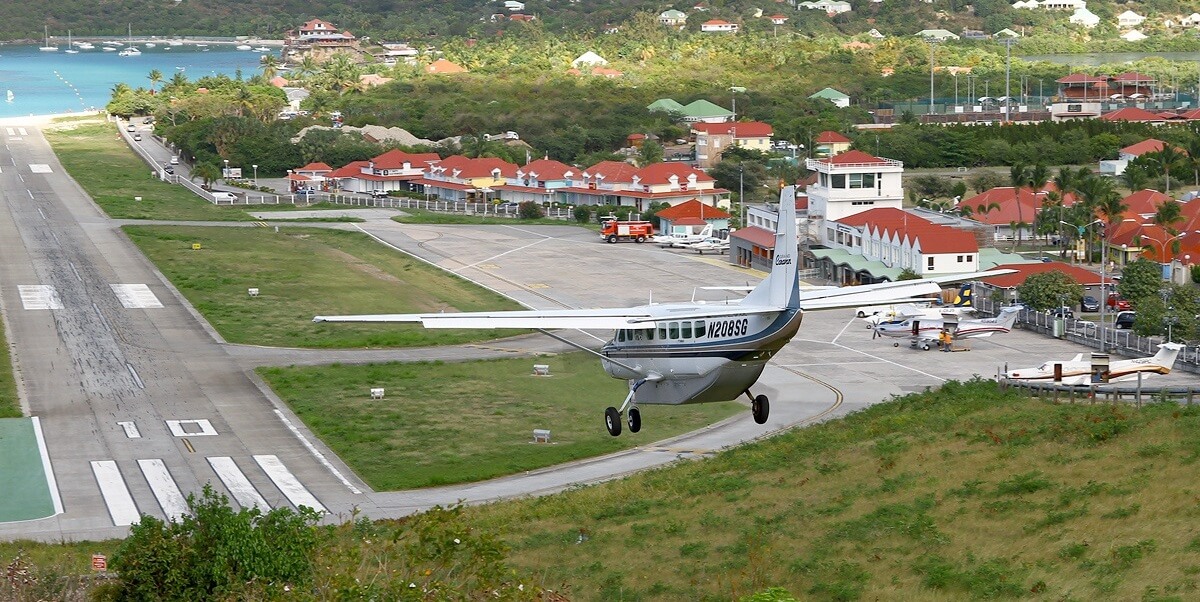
{"x": 699, "y": 360}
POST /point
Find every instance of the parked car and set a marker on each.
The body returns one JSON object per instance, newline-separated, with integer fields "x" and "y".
{"x": 175, "y": 160}
{"x": 1125, "y": 320}
{"x": 129, "y": 127}
{"x": 224, "y": 197}
{"x": 1062, "y": 312}
{"x": 1089, "y": 304}
{"x": 1117, "y": 303}
{"x": 169, "y": 169}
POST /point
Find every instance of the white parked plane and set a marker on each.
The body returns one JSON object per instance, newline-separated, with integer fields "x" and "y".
{"x": 1078, "y": 370}
{"x": 907, "y": 311}
{"x": 680, "y": 239}
{"x": 692, "y": 352}
{"x": 924, "y": 333}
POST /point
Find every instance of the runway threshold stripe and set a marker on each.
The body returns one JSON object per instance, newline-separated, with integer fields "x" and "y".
{"x": 237, "y": 483}
{"x": 173, "y": 504}
{"x": 135, "y": 296}
{"x": 51, "y": 482}
{"x": 116, "y": 495}
{"x": 39, "y": 296}
{"x": 288, "y": 483}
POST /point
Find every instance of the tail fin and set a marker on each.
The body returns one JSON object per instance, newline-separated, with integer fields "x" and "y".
{"x": 782, "y": 287}
{"x": 963, "y": 298}
{"x": 1008, "y": 317}
{"x": 1167, "y": 352}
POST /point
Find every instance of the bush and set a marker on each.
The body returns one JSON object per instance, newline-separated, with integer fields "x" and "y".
{"x": 530, "y": 210}
{"x": 216, "y": 553}
{"x": 582, "y": 214}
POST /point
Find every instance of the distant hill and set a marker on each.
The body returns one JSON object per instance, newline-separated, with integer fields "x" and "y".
{"x": 422, "y": 19}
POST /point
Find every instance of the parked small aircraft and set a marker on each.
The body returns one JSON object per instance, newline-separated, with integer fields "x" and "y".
{"x": 679, "y": 239}
{"x": 1078, "y": 370}
{"x": 711, "y": 245}
{"x": 907, "y": 311}
{"x": 693, "y": 352}
{"x": 923, "y": 333}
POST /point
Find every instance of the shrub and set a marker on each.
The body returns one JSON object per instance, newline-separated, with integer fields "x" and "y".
{"x": 529, "y": 210}
{"x": 582, "y": 214}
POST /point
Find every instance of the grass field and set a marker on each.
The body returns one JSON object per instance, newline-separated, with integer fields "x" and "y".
{"x": 10, "y": 405}
{"x": 461, "y": 422}
{"x": 302, "y": 272}
{"x": 113, "y": 175}
{"x": 965, "y": 493}
{"x": 421, "y": 216}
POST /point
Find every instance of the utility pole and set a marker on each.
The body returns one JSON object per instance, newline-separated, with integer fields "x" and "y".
{"x": 1008, "y": 42}
{"x": 932, "y": 45}
{"x": 742, "y": 193}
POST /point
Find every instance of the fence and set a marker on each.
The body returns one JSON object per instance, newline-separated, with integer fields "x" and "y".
{"x": 391, "y": 202}
{"x": 1091, "y": 334}
{"x": 1137, "y": 394}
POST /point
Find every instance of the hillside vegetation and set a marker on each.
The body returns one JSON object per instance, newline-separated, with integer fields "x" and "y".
{"x": 965, "y": 492}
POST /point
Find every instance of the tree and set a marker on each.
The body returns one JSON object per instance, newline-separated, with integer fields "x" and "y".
{"x": 1140, "y": 280}
{"x": 1050, "y": 289}
{"x": 1168, "y": 214}
{"x": 529, "y": 210}
{"x": 985, "y": 181}
{"x": 155, "y": 77}
{"x": 908, "y": 274}
{"x": 207, "y": 172}
{"x": 582, "y": 214}
{"x": 1174, "y": 304}
{"x": 1166, "y": 160}
{"x": 651, "y": 152}
{"x": 1135, "y": 177}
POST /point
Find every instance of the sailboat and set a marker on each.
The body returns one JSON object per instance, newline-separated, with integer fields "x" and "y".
{"x": 48, "y": 47}
{"x": 70, "y": 48}
{"x": 9, "y": 96}
{"x": 130, "y": 50}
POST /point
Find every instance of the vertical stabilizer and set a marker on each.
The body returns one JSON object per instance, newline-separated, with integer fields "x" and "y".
{"x": 1167, "y": 352}
{"x": 782, "y": 287}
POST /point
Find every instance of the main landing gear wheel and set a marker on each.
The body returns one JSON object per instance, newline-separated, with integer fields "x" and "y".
{"x": 635, "y": 420}
{"x": 612, "y": 419}
{"x": 760, "y": 408}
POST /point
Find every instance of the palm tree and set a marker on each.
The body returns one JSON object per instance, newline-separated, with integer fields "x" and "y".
{"x": 1167, "y": 159}
{"x": 270, "y": 66}
{"x": 208, "y": 172}
{"x": 1168, "y": 214}
{"x": 1037, "y": 177}
{"x": 155, "y": 77}
{"x": 1019, "y": 177}
{"x": 1193, "y": 157}
{"x": 1134, "y": 177}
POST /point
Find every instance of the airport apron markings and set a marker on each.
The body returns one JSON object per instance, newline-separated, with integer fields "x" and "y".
{"x": 124, "y": 511}
{"x": 45, "y": 296}
{"x": 21, "y": 131}
{"x": 191, "y": 428}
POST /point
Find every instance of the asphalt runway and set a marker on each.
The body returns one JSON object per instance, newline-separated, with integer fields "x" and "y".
{"x": 141, "y": 404}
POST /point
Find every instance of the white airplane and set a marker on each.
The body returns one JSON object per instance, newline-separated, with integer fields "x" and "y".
{"x": 679, "y": 239}
{"x": 1078, "y": 370}
{"x": 924, "y": 333}
{"x": 712, "y": 245}
{"x": 694, "y": 352}
{"x": 907, "y": 311}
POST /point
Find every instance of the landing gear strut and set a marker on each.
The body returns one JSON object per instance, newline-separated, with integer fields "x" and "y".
{"x": 612, "y": 416}
{"x": 760, "y": 407}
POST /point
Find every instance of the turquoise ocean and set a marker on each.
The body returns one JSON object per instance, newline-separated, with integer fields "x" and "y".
{"x": 56, "y": 82}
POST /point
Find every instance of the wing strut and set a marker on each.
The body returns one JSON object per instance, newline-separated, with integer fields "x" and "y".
{"x": 646, "y": 375}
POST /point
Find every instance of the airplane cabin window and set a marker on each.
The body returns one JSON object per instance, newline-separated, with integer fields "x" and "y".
{"x": 662, "y": 332}
{"x": 620, "y": 336}
{"x": 699, "y": 329}
{"x": 650, "y": 334}
{"x": 687, "y": 330}
{"x": 673, "y": 328}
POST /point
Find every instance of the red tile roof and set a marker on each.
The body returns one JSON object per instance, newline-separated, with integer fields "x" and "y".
{"x": 395, "y": 159}
{"x": 830, "y": 137}
{"x": 760, "y": 237}
{"x": 444, "y": 66}
{"x": 547, "y": 169}
{"x": 1081, "y": 78}
{"x": 1025, "y": 270}
{"x": 916, "y": 230}
{"x": 716, "y": 22}
{"x": 1149, "y": 145}
{"x": 1130, "y": 114}
{"x": 1131, "y": 77}
{"x": 316, "y": 166}
{"x": 458, "y": 166}
{"x": 739, "y": 129}
{"x": 883, "y": 216}
{"x": 1008, "y": 199}
{"x": 693, "y": 209}
{"x": 349, "y": 170}
{"x": 660, "y": 173}
{"x": 612, "y": 171}
{"x": 1192, "y": 114}
{"x": 1145, "y": 201}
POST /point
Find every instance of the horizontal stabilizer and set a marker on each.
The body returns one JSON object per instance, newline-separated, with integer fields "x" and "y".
{"x": 635, "y": 318}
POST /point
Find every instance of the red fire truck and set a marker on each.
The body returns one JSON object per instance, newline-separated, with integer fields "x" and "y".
{"x": 614, "y": 230}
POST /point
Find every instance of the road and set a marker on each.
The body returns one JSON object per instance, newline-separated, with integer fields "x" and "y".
{"x": 141, "y": 404}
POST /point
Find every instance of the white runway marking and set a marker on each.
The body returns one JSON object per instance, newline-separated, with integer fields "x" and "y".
{"x": 40, "y": 168}
{"x": 22, "y": 131}
{"x": 77, "y": 276}
{"x": 15, "y": 138}
{"x": 173, "y": 504}
{"x": 288, "y": 483}
{"x": 137, "y": 380}
{"x": 116, "y": 495}
{"x": 51, "y": 483}
{"x": 131, "y": 429}
{"x": 843, "y": 331}
{"x": 237, "y": 483}
{"x": 179, "y": 428}
{"x": 317, "y": 453}
{"x": 10, "y": 131}
{"x": 136, "y": 296}
{"x": 39, "y": 296}
{"x": 41, "y": 213}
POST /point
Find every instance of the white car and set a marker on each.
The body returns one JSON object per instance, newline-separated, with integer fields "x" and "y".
{"x": 224, "y": 197}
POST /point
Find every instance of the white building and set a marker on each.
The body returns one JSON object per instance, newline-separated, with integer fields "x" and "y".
{"x": 1025, "y": 4}
{"x": 832, "y": 7}
{"x": 1129, "y": 20}
{"x": 1191, "y": 20}
{"x": 1133, "y": 36}
{"x": 1062, "y": 4}
{"x": 853, "y": 182}
{"x": 589, "y": 59}
{"x": 718, "y": 26}
{"x": 1085, "y": 17}
{"x": 898, "y": 240}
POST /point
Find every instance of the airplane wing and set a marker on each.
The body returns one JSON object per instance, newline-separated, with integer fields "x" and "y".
{"x": 634, "y": 318}
{"x": 884, "y": 292}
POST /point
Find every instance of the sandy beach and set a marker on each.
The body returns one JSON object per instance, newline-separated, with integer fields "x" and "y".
{"x": 40, "y": 120}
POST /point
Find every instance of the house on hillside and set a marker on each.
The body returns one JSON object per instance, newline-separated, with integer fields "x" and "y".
{"x": 829, "y": 143}
{"x": 838, "y": 99}
{"x": 937, "y": 35}
{"x": 1129, "y": 20}
{"x": 394, "y": 170}
{"x": 460, "y": 178}
{"x": 672, "y": 18}
{"x": 718, "y": 26}
{"x": 1134, "y": 36}
{"x": 443, "y": 66}
{"x": 589, "y": 59}
{"x": 1085, "y": 18}
{"x": 829, "y": 7}
{"x": 1116, "y": 167}
{"x": 713, "y": 138}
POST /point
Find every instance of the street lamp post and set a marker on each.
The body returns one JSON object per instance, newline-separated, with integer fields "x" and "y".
{"x": 1008, "y": 42}
{"x": 255, "y": 166}
{"x": 226, "y": 173}
{"x": 932, "y": 45}
{"x": 741, "y": 193}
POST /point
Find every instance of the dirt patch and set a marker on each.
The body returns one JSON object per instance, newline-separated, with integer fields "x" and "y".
{"x": 362, "y": 266}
